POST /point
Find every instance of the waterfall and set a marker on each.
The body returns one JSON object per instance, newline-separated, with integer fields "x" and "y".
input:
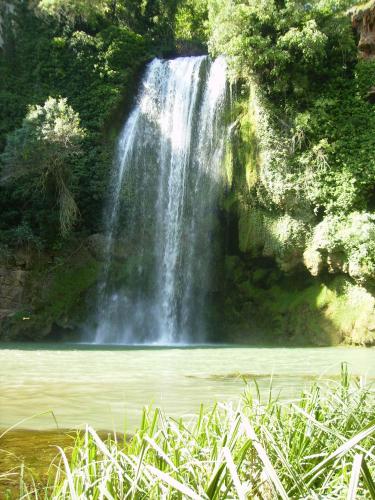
{"x": 162, "y": 213}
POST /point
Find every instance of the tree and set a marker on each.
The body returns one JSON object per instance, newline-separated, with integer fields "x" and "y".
{"x": 44, "y": 146}
{"x": 192, "y": 20}
{"x": 286, "y": 46}
{"x": 73, "y": 10}
{"x": 159, "y": 16}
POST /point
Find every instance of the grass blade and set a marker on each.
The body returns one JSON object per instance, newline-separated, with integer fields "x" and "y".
{"x": 182, "y": 488}
{"x": 354, "y": 478}
{"x": 341, "y": 450}
{"x": 233, "y": 471}
{"x": 368, "y": 479}
{"x": 269, "y": 469}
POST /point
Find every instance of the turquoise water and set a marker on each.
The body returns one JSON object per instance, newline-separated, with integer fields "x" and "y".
{"x": 107, "y": 387}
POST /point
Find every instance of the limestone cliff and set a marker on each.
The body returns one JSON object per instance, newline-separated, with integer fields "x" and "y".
{"x": 363, "y": 20}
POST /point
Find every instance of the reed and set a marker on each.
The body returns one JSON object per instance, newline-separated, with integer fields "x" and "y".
{"x": 321, "y": 445}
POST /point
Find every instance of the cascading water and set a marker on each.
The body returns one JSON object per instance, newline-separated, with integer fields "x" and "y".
{"x": 163, "y": 204}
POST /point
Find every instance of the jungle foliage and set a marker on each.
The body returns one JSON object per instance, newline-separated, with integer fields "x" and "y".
{"x": 303, "y": 134}
{"x": 87, "y": 55}
{"x": 303, "y": 148}
{"x": 44, "y": 150}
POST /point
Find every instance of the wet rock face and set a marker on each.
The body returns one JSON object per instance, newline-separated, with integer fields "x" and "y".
{"x": 363, "y": 20}
{"x": 99, "y": 247}
{"x": 97, "y": 244}
{"x": 12, "y": 282}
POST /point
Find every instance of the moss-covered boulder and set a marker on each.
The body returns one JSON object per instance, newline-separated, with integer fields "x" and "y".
{"x": 55, "y": 295}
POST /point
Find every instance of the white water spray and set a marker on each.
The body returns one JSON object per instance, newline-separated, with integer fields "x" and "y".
{"x": 163, "y": 203}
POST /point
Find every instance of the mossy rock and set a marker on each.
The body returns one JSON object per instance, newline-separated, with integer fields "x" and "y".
{"x": 265, "y": 305}
{"x": 58, "y": 292}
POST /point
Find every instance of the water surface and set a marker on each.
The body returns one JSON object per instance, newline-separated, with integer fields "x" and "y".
{"x": 108, "y": 386}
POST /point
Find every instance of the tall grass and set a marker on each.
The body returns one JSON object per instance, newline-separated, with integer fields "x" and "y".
{"x": 319, "y": 446}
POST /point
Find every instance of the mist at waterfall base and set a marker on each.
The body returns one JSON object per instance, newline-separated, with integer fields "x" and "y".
{"x": 162, "y": 209}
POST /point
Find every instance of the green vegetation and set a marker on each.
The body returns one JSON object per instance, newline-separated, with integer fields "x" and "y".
{"x": 88, "y": 55}
{"x": 304, "y": 143}
{"x": 317, "y": 446}
{"x": 300, "y": 159}
{"x": 192, "y": 22}
{"x": 69, "y": 74}
{"x": 302, "y": 168}
{"x": 62, "y": 304}
{"x": 44, "y": 149}
{"x": 290, "y": 309}
{"x": 298, "y": 217}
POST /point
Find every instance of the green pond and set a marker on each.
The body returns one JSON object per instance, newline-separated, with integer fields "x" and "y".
{"x": 107, "y": 387}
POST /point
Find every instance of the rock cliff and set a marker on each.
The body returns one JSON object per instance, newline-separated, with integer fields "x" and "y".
{"x": 363, "y": 20}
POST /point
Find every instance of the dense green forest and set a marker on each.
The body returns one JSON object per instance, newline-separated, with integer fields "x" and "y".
{"x": 298, "y": 211}
{"x": 76, "y": 64}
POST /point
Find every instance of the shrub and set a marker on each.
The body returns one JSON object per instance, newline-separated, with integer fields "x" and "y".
{"x": 346, "y": 244}
{"x": 44, "y": 147}
{"x": 281, "y": 237}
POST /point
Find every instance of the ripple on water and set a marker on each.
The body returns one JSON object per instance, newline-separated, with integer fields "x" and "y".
{"x": 109, "y": 386}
